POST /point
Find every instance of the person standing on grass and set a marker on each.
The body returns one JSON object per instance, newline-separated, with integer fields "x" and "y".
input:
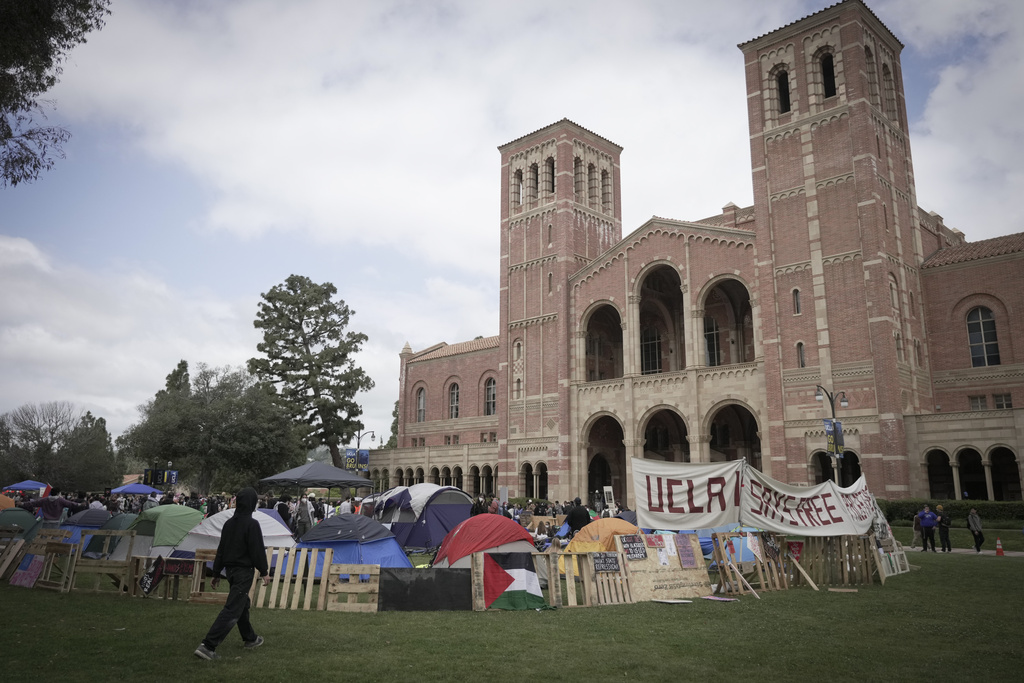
{"x": 974, "y": 524}
{"x": 944, "y": 523}
{"x": 928, "y": 521}
{"x": 240, "y": 553}
{"x": 917, "y": 532}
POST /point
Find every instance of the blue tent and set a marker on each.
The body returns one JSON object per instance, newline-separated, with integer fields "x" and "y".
{"x": 136, "y": 489}
{"x": 421, "y": 515}
{"x": 355, "y": 540}
{"x": 86, "y": 519}
{"x": 27, "y": 485}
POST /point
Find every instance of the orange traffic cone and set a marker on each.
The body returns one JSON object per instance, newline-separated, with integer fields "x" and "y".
{"x": 999, "y": 548}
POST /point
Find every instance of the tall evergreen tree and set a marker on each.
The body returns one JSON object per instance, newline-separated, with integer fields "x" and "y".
{"x": 309, "y": 359}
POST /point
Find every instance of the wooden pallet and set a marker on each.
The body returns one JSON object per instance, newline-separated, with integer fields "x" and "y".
{"x": 36, "y": 547}
{"x": 609, "y": 586}
{"x": 121, "y": 571}
{"x": 768, "y": 571}
{"x": 294, "y": 580}
{"x": 346, "y": 580}
{"x": 840, "y": 561}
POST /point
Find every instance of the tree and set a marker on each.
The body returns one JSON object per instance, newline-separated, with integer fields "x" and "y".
{"x": 35, "y": 37}
{"x": 393, "y": 439}
{"x": 221, "y": 429}
{"x": 309, "y": 360}
{"x": 50, "y": 442}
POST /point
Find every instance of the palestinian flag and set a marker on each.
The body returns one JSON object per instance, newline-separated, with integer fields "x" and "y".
{"x": 510, "y": 582}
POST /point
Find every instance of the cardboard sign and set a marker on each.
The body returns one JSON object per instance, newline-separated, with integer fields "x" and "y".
{"x": 28, "y": 571}
{"x": 606, "y": 562}
{"x": 661, "y": 575}
{"x": 634, "y": 547}
{"x": 795, "y": 549}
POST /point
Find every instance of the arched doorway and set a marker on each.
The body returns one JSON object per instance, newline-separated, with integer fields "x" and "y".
{"x": 487, "y": 480}
{"x": 665, "y": 437}
{"x": 972, "y": 475}
{"x": 457, "y": 477}
{"x": 474, "y": 480}
{"x": 542, "y": 481}
{"x": 604, "y": 345}
{"x": 435, "y": 476}
{"x": 385, "y": 480}
{"x": 734, "y": 436}
{"x": 849, "y": 468}
{"x": 607, "y": 459}
{"x": 940, "y": 476}
{"x": 419, "y": 475}
{"x": 1005, "y": 474}
{"x": 821, "y": 468}
{"x": 526, "y": 480}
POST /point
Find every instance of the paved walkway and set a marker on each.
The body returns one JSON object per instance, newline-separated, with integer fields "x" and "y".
{"x": 968, "y": 551}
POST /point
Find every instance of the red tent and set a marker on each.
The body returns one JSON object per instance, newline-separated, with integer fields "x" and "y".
{"x": 490, "y": 533}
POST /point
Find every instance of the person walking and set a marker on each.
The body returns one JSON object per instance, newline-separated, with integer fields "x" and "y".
{"x": 974, "y": 524}
{"x": 303, "y": 517}
{"x": 240, "y": 553}
{"x": 944, "y": 522}
{"x": 928, "y": 521}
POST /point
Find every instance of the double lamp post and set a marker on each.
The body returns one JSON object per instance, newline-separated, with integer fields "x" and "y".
{"x": 833, "y": 429}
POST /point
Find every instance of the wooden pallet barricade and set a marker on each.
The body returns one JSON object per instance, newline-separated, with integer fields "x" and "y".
{"x": 664, "y": 566}
{"x": 345, "y": 594}
{"x": 610, "y": 576}
{"x": 766, "y": 569}
{"x": 37, "y": 548}
{"x": 121, "y": 571}
{"x": 839, "y": 561}
{"x": 10, "y": 547}
{"x": 294, "y": 579}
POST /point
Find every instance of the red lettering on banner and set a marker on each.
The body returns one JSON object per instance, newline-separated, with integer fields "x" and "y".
{"x": 757, "y": 496}
{"x": 671, "y": 484}
{"x": 660, "y": 507}
{"x": 830, "y": 508}
{"x": 806, "y": 507}
{"x": 719, "y": 494}
{"x": 786, "y": 507}
{"x": 689, "y": 497}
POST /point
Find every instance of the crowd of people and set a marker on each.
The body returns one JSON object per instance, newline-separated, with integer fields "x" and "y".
{"x": 927, "y": 521}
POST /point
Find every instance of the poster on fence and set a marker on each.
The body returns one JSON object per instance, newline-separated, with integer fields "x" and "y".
{"x": 663, "y": 575}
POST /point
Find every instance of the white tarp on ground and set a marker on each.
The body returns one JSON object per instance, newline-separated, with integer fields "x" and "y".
{"x": 676, "y": 495}
{"x": 206, "y": 534}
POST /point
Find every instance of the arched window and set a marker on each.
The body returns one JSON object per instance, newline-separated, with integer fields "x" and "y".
{"x": 917, "y": 353}
{"x": 869, "y": 58}
{"x": 650, "y": 351}
{"x": 828, "y": 75}
{"x": 453, "y": 401}
{"x": 421, "y": 405}
{"x": 796, "y": 302}
{"x": 549, "y": 175}
{"x": 801, "y": 361}
{"x": 899, "y": 347}
{"x": 782, "y": 82}
{"x": 519, "y": 388}
{"x": 713, "y": 351}
{"x": 531, "y": 185}
{"x": 549, "y": 234}
{"x": 517, "y": 351}
{"x": 490, "y": 397}
{"x": 517, "y": 188}
{"x": 894, "y": 293}
{"x": 592, "y": 187}
{"x": 981, "y": 337}
{"x": 890, "y": 92}
{"x": 606, "y": 190}
{"x": 550, "y": 281}
{"x": 579, "y": 181}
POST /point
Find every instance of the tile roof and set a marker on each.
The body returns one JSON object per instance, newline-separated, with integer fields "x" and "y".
{"x": 446, "y": 350}
{"x": 973, "y": 251}
{"x": 825, "y": 9}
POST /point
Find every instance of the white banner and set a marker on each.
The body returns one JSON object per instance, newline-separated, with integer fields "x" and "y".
{"x": 822, "y": 510}
{"x": 680, "y": 495}
{"x": 676, "y": 495}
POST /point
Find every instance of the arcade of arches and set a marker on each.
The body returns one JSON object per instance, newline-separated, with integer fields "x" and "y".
{"x": 970, "y": 476}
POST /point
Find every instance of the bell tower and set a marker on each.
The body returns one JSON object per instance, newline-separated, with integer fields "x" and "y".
{"x": 838, "y": 231}
{"x": 560, "y": 209}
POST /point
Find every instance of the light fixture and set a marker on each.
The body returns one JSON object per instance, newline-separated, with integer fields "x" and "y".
{"x": 817, "y": 395}
{"x": 843, "y": 403}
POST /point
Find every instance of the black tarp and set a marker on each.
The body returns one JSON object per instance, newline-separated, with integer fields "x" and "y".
{"x": 319, "y": 475}
{"x": 347, "y": 527}
{"x": 425, "y": 590}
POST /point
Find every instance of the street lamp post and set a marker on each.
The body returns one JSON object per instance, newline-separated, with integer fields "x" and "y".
{"x": 839, "y": 396}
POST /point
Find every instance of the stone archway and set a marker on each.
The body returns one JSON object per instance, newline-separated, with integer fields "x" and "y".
{"x": 1005, "y": 474}
{"x": 734, "y": 435}
{"x": 665, "y": 437}
{"x": 849, "y": 468}
{"x": 604, "y": 358}
{"x": 821, "y": 468}
{"x": 941, "y": 484}
{"x": 526, "y": 480}
{"x": 606, "y": 459}
{"x": 972, "y": 475}
{"x": 728, "y": 324}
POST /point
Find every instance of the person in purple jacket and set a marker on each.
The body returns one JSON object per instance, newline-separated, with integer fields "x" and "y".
{"x": 928, "y": 521}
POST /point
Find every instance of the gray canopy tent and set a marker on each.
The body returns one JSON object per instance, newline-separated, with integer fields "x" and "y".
{"x": 319, "y": 475}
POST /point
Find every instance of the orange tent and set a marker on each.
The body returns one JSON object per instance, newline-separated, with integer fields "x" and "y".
{"x": 604, "y": 531}
{"x": 6, "y": 502}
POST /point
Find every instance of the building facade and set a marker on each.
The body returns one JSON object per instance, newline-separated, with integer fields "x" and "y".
{"x": 710, "y": 340}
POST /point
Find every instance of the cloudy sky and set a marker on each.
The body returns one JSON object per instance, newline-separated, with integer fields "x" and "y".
{"x": 220, "y": 147}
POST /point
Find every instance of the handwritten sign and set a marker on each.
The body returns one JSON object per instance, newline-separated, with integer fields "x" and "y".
{"x": 684, "y": 548}
{"x": 634, "y": 547}
{"x": 606, "y": 562}
{"x": 28, "y": 571}
{"x": 654, "y": 541}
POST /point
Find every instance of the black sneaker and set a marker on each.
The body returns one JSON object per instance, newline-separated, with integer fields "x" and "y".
{"x": 253, "y": 644}
{"x": 204, "y": 652}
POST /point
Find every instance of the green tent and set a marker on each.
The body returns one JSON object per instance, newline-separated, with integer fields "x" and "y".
{"x": 167, "y": 524}
{"x": 23, "y": 519}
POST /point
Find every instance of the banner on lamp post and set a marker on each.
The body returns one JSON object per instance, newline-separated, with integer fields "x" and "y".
{"x": 363, "y": 458}
{"x": 350, "y": 459}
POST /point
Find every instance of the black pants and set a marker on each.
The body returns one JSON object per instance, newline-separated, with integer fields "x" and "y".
{"x": 979, "y": 538}
{"x": 928, "y": 534}
{"x": 944, "y": 539}
{"x": 236, "y": 609}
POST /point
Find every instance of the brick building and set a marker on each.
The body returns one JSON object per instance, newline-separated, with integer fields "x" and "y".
{"x": 708, "y": 340}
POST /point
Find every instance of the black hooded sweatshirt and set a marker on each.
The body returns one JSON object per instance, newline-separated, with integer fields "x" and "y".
{"x": 241, "y": 541}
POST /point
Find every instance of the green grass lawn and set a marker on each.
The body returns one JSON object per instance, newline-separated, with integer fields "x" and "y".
{"x": 953, "y": 618}
{"x": 1012, "y": 539}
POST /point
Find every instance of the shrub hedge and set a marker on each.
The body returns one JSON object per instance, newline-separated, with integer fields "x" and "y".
{"x": 1004, "y": 513}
